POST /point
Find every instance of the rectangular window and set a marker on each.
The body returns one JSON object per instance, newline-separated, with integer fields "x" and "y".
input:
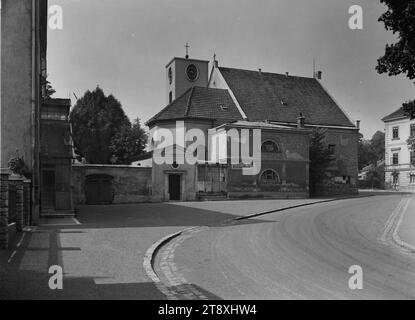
{"x": 413, "y": 130}
{"x": 413, "y": 158}
{"x": 412, "y": 178}
{"x": 395, "y": 159}
{"x": 395, "y": 133}
{"x": 332, "y": 148}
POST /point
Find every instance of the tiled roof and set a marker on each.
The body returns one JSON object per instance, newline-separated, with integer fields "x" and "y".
{"x": 398, "y": 114}
{"x": 200, "y": 103}
{"x": 277, "y": 97}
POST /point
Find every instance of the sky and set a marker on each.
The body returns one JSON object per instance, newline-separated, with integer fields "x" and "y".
{"x": 124, "y": 45}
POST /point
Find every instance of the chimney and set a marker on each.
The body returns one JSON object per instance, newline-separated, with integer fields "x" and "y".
{"x": 300, "y": 121}
{"x": 260, "y": 70}
{"x": 287, "y": 74}
{"x": 358, "y": 124}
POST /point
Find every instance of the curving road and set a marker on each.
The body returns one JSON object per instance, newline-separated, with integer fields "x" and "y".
{"x": 302, "y": 253}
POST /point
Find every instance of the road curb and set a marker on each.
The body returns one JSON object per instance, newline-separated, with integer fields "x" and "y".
{"x": 148, "y": 264}
{"x": 151, "y": 252}
{"x": 299, "y": 206}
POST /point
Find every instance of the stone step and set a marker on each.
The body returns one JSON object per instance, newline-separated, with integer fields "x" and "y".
{"x": 212, "y": 197}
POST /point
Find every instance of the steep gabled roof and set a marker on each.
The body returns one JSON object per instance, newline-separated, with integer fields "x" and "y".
{"x": 398, "y": 114}
{"x": 200, "y": 103}
{"x": 277, "y": 97}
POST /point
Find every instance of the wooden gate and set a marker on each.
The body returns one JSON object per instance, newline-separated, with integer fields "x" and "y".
{"x": 98, "y": 189}
{"x": 212, "y": 178}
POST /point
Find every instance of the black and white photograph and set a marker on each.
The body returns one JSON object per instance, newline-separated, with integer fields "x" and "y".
{"x": 207, "y": 156}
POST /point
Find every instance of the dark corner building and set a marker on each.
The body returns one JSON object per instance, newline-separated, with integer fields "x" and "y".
{"x": 34, "y": 127}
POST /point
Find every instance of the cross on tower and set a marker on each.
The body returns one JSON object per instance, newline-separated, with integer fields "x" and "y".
{"x": 187, "y": 46}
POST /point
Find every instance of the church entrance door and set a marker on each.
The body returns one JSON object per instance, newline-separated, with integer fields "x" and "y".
{"x": 174, "y": 186}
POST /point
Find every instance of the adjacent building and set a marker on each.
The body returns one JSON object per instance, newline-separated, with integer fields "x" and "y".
{"x": 399, "y": 159}
{"x": 33, "y": 126}
{"x": 285, "y": 108}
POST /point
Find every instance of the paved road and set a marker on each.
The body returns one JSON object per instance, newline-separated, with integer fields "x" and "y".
{"x": 302, "y": 253}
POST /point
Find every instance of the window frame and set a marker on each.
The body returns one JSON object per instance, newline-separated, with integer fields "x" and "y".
{"x": 277, "y": 148}
{"x": 412, "y": 129}
{"x": 412, "y": 157}
{"x": 274, "y": 181}
{"x": 395, "y": 129}
{"x": 397, "y": 158}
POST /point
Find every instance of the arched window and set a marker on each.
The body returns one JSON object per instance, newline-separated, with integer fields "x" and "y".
{"x": 270, "y": 146}
{"x": 270, "y": 177}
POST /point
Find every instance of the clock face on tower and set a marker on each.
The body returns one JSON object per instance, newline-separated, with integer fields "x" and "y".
{"x": 192, "y": 72}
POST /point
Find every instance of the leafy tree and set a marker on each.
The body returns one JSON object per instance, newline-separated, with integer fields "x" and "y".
{"x": 375, "y": 177}
{"x": 378, "y": 145}
{"x": 320, "y": 159}
{"x": 129, "y": 142}
{"x": 101, "y": 130}
{"x": 371, "y": 151}
{"x": 399, "y": 58}
{"x": 366, "y": 153}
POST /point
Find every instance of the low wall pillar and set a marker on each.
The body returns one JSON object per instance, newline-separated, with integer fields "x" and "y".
{"x": 4, "y": 210}
{"x": 26, "y": 202}
{"x": 17, "y": 180}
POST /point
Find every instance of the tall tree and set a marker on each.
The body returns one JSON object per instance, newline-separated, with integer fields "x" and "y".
{"x": 378, "y": 145}
{"x": 128, "y": 143}
{"x": 371, "y": 151}
{"x": 399, "y": 58}
{"x": 320, "y": 159}
{"x": 99, "y": 128}
{"x": 366, "y": 153}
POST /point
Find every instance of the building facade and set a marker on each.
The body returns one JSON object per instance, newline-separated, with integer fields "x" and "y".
{"x": 34, "y": 127}
{"x": 23, "y": 74}
{"x": 399, "y": 159}
{"x": 284, "y": 108}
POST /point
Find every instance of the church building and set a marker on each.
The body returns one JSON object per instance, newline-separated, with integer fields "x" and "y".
{"x": 222, "y": 100}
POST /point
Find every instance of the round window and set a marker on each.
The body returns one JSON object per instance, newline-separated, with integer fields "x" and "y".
{"x": 192, "y": 72}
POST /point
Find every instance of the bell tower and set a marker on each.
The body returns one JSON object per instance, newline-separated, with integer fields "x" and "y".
{"x": 184, "y": 73}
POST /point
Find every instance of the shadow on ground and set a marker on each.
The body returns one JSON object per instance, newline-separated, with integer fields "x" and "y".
{"x": 151, "y": 215}
{"x": 22, "y": 281}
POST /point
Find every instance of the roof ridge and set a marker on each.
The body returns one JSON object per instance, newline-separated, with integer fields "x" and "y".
{"x": 265, "y": 72}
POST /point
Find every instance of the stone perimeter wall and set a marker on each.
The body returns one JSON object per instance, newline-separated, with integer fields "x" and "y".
{"x": 130, "y": 184}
